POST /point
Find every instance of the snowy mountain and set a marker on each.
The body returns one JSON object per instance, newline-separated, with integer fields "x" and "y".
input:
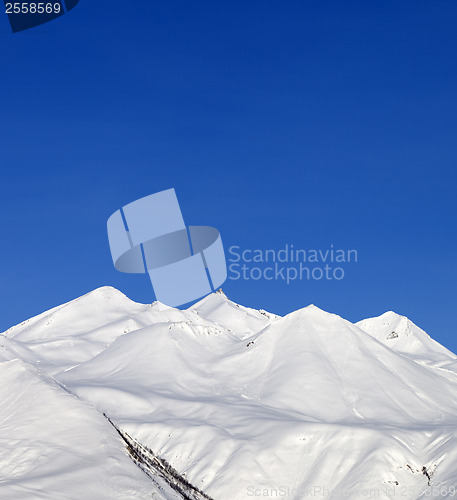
{"x": 107, "y": 398}
{"x": 402, "y": 335}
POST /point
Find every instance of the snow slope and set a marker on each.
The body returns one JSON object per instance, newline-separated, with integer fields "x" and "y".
{"x": 244, "y": 403}
{"x": 55, "y": 446}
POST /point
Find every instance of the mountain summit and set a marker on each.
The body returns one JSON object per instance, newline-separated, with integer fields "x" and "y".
{"x": 231, "y": 402}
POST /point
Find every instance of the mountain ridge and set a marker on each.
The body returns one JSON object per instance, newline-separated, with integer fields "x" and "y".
{"x": 233, "y": 398}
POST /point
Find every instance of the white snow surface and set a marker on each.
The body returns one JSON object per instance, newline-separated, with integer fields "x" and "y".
{"x": 242, "y": 403}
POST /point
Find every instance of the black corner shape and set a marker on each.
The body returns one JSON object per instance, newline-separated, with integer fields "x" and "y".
{"x": 70, "y": 4}
{"x": 24, "y": 15}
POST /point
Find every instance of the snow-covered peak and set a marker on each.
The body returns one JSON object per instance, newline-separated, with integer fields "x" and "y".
{"x": 400, "y": 334}
{"x": 77, "y": 330}
{"x": 314, "y": 314}
{"x": 391, "y": 322}
{"x": 98, "y": 305}
{"x": 103, "y": 292}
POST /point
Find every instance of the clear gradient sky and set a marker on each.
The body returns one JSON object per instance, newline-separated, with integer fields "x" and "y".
{"x": 309, "y": 123}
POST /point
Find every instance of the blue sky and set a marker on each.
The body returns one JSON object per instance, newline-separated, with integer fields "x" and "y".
{"x": 309, "y": 123}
